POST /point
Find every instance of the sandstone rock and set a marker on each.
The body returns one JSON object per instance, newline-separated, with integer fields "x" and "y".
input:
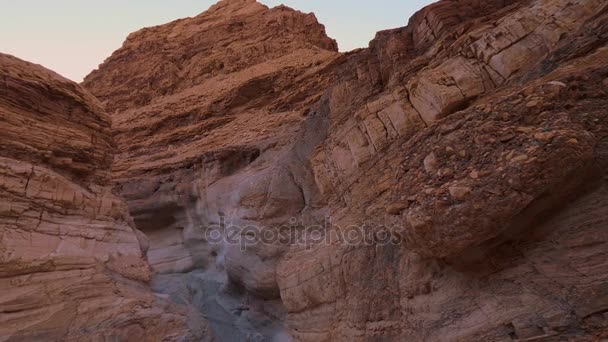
{"x": 210, "y": 136}
{"x": 71, "y": 266}
{"x": 519, "y": 255}
{"x": 438, "y": 92}
{"x": 335, "y": 293}
{"x": 396, "y": 208}
{"x": 377, "y": 132}
{"x": 554, "y": 88}
{"x": 544, "y": 136}
{"x": 431, "y": 163}
{"x": 245, "y": 54}
{"x": 519, "y": 158}
{"x": 358, "y": 146}
{"x": 459, "y": 192}
{"x": 532, "y": 104}
{"x": 238, "y": 34}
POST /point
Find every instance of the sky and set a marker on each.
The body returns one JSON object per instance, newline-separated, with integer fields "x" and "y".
{"x": 72, "y": 37}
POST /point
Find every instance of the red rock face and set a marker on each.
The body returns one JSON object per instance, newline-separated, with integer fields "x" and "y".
{"x": 216, "y": 144}
{"x": 230, "y": 38}
{"x": 71, "y": 264}
{"x": 213, "y": 146}
{"x": 474, "y": 139}
{"x": 463, "y": 133}
{"x": 483, "y": 150}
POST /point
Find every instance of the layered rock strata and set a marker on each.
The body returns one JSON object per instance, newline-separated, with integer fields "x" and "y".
{"x": 71, "y": 263}
{"x": 480, "y": 144}
{"x": 474, "y": 138}
{"x": 206, "y": 112}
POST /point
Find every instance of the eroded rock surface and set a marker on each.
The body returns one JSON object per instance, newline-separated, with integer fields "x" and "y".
{"x": 71, "y": 265}
{"x": 206, "y": 113}
{"x": 474, "y": 138}
{"x": 493, "y": 190}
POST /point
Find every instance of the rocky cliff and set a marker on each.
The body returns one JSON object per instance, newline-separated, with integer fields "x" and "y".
{"x": 213, "y": 147}
{"x": 473, "y": 140}
{"x": 476, "y": 136}
{"x": 448, "y": 183}
{"x": 71, "y": 261}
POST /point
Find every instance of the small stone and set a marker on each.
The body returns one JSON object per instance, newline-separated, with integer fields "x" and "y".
{"x": 446, "y": 172}
{"x": 474, "y": 174}
{"x": 459, "y": 192}
{"x": 572, "y": 141}
{"x": 532, "y": 104}
{"x": 529, "y": 91}
{"x": 506, "y": 138}
{"x": 524, "y": 129}
{"x": 395, "y": 208}
{"x": 516, "y": 101}
{"x": 544, "y": 136}
{"x": 519, "y": 158}
{"x": 554, "y": 88}
{"x": 557, "y": 83}
{"x": 431, "y": 163}
{"x": 417, "y": 220}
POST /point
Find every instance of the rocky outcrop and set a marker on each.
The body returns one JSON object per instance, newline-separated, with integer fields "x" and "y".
{"x": 481, "y": 235}
{"x": 446, "y": 184}
{"x": 224, "y": 42}
{"x": 71, "y": 263}
{"x": 492, "y": 195}
{"x": 206, "y": 111}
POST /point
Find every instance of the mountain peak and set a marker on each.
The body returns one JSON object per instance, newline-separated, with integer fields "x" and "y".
{"x": 236, "y": 5}
{"x": 231, "y": 36}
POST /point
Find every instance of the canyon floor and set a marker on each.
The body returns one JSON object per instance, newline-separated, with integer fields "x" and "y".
{"x": 234, "y": 177}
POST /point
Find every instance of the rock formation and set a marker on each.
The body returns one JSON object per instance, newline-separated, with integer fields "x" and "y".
{"x": 448, "y": 183}
{"x": 71, "y": 263}
{"x": 210, "y": 144}
{"x": 477, "y": 137}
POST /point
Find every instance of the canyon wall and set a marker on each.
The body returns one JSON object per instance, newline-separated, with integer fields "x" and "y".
{"x": 207, "y": 112}
{"x": 476, "y": 136}
{"x": 72, "y": 266}
{"x": 448, "y": 183}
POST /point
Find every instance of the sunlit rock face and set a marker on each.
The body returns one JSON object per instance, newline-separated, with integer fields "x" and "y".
{"x": 469, "y": 145}
{"x": 71, "y": 263}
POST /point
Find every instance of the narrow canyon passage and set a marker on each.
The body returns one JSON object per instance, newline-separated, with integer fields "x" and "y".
{"x": 458, "y": 134}
{"x": 232, "y": 314}
{"x": 218, "y": 250}
{"x": 234, "y": 177}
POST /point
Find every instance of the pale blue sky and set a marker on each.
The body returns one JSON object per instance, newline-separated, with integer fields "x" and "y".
{"x": 72, "y": 37}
